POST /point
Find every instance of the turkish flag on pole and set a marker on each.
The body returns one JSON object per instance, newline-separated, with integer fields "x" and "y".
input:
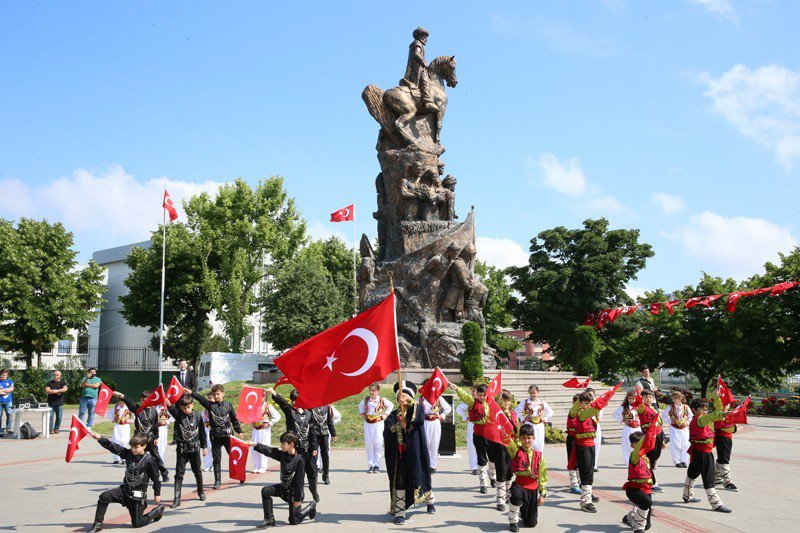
{"x": 495, "y": 386}
{"x": 175, "y": 391}
{"x": 103, "y": 396}
{"x": 76, "y": 432}
{"x": 157, "y": 397}
{"x": 249, "y": 409}
{"x": 434, "y": 387}
{"x": 575, "y": 383}
{"x": 169, "y": 206}
{"x": 342, "y": 360}
{"x": 782, "y": 287}
{"x": 237, "y": 459}
{"x": 724, "y": 393}
{"x": 602, "y": 400}
{"x": 344, "y": 214}
{"x": 738, "y": 415}
{"x": 498, "y": 427}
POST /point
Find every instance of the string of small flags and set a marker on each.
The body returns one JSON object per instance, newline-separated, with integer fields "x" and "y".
{"x": 600, "y": 319}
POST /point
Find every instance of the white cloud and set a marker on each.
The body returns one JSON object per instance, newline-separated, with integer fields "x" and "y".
{"x": 733, "y": 246}
{"x": 722, "y": 8}
{"x": 635, "y": 292}
{"x": 501, "y": 253}
{"x": 567, "y": 177}
{"x": 669, "y": 203}
{"x": 110, "y": 202}
{"x": 763, "y": 104}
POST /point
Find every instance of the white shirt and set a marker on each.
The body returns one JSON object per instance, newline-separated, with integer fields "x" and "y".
{"x": 536, "y": 407}
{"x": 377, "y": 407}
{"x": 441, "y": 406}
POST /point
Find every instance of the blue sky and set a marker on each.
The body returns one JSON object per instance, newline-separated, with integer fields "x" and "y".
{"x": 679, "y": 118}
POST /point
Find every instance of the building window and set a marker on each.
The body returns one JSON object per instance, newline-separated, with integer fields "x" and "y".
{"x": 247, "y": 344}
{"x": 83, "y": 342}
{"x": 65, "y": 347}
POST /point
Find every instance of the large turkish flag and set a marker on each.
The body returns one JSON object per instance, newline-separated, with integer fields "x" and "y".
{"x": 237, "y": 459}
{"x": 249, "y": 409}
{"x": 343, "y": 360}
{"x": 76, "y": 432}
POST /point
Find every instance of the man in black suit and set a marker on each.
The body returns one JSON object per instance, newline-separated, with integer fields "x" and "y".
{"x": 186, "y": 376}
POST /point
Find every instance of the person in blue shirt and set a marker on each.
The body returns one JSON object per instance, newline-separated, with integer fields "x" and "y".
{"x": 6, "y": 388}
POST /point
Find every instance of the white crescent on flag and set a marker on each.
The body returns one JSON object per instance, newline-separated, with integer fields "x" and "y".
{"x": 250, "y": 405}
{"x": 237, "y": 449}
{"x": 103, "y": 393}
{"x": 345, "y": 212}
{"x": 71, "y": 441}
{"x": 157, "y": 396}
{"x": 372, "y": 349}
{"x": 175, "y": 388}
{"x": 437, "y": 387}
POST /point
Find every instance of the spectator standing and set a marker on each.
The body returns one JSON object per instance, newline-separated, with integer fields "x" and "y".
{"x": 6, "y": 388}
{"x": 186, "y": 376}
{"x": 647, "y": 383}
{"x": 55, "y": 390}
{"x": 90, "y": 387}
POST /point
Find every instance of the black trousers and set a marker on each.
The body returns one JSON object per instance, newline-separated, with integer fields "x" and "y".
{"x": 584, "y": 456}
{"x": 502, "y": 462}
{"x": 311, "y": 469}
{"x": 528, "y": 500}
{"x": 724, "y": 448}
{"x": 135, "y": 507}
{"x": 153, "y": 450}
{"x": 655, "y": 453}
{"x": 481, "y": 449}
{"x": 193, "y": 458}
{"x": 570, "y": 445}
{"x": 217, "y": 443}
{"x": 702, "y": 464}
{"x": 325, "y": 452}
{"x": 641, "y": 500}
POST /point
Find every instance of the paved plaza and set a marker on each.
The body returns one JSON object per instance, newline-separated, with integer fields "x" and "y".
{"x": 43, "y": 493}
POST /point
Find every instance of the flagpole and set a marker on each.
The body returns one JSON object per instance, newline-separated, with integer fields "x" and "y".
{"x": 399, "y": 362}
{"x": 163, "y": 263}
{"x": 355, "y": 280}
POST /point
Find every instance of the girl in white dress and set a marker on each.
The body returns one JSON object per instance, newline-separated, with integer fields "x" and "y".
{"x": 164, "y": 420}
{"x": 537, "y": 413}
{"x": 123, "y": 419}
{"x": 627, "y": 416}
{"x": 374, "y": 410}
{"x": 678, "y": 415}
{"x": 462, "y": 410}
{"x": 434, "y": 414}
{"x": 262, "y": 434}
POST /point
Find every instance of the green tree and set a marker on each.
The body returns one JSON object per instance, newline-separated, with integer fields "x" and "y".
{"x": 338, "y": 261}
{"x": 186, "y": 300}
{"x": 497, "y": 311}
{"x": 43, "y": 292}
{"x": 471, "y": 364}
{"x": 303, "y": 299}
{"x": 571, "y": 273}
{"x": 242, "y": 230}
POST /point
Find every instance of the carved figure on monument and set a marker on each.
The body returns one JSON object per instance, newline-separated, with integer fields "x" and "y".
{"x": 366, "y": 271}
{"x": 381, "y": 214}
{"x": 457, "y": 283}
{"x": 475, "y": 301}
{"x": 417, "y": 70}
{"x": 447, "y": 210}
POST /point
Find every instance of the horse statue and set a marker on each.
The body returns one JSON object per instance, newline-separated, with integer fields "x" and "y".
{"x": 394, "y": 109}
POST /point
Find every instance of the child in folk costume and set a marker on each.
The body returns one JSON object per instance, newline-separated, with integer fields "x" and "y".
{"x": 530, "y": 479}
{"x": 678, "y": 415}
{"x": 374, "y": 410}
{"x": 191, "y": 444}
{"x": 335, "y": 418}
{"x": 499, "y": 456}
{"x": 322, "y": 426}
{"x": 585, "y": 424}
{"x": 262, "y": 434}
{"x": 701, "y": 437}
{"x": 723, "y": 442}
{"x": 648, "y": 414}
{"x": 535, "y": 412}
{"x": 224, "y": 423}
{"x": 627, "y": 416}
{"x": 598, "y": 439}
{"x": 572, "y": 469}
{"x": 164, "y": 420}
{"x": 462, "y": 410}
{"x": 478, "y": 414}
{"x": 640, "y": 479}
{"x": 208, "y": 459}
{"x": 146, "y": 422}
{"x": 121, "y": 433}
{"x": 407, "y": 459}
{"x": 434, "y": 414}
{"x": 290, "y": 488}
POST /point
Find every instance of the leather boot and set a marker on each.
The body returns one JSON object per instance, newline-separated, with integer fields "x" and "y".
{"x": 156, "y": 514}
{"x": 269, "y": 518}
{"x": 99, "y": 515}
{"x": 176, "y": 500}
{"x": 201, "y": 495}
{"x": 310, "y": 511}
{"x": 312, "y": 486}
{"x": 217, "y": 476}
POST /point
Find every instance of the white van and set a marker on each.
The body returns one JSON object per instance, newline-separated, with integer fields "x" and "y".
{"x": 223, "y": 367}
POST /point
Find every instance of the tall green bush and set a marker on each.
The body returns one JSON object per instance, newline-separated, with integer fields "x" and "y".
{"x": 471, "y": 364}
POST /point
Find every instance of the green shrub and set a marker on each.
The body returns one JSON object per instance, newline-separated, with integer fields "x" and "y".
{"x": 553, "y": 435}
{"x": 471, "y": 364}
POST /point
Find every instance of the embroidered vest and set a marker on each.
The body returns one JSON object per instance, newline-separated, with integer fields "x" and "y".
{"x": 701, "y": 438}
{"x": 640, "y": 472}
{"x": 526, "y": 464}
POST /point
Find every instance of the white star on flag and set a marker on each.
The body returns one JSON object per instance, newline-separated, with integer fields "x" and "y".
{"x": 329, "y": 362}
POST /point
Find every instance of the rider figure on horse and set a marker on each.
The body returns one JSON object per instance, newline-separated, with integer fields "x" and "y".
{"x": 417, "y": 70}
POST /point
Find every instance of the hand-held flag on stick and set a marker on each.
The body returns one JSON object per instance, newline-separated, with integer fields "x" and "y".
{"x": 237, "y": 459}
{"x": 344, "y": 214}
{"x": 498, "y": 427}
{"x": 170, "y": 207}
{"x": 575, "y": 383}
{"x": 175, "y": 391}
{"x": 343, "y": 360}
{"x": 103, "y": 397}
{"x": 77, "y": 431}
{"x": 724, "y": 393}
{"x": 157, "y": 397}
{"x": 434, "y": 387}
{"x": 739, "y": 414}
{"x": 249, "y": 409}
{"x": 495, "y": 386}
{"x": 601, "y": 401}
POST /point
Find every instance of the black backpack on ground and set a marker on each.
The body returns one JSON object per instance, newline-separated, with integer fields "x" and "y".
{"x": 27, "y": 431}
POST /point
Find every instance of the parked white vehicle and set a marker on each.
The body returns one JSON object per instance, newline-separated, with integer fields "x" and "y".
{"x": 223, "y": 367}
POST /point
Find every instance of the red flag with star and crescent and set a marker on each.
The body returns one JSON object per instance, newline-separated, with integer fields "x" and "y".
{"x": 250, "y": 401}
{"x": 77, "y": 431}
{"x": 237, "y": 459}
{"x": 343, "y": 360}
{"x": 175, "y": 391}
{"x": 498, "y": 427}
{"x": 739, "y": 414}
{"x": 495, "y": 386}
{"x": 344, "y": 214}
{"x": 724, "y": 393}
{"x": 434, "y": 387}
{"x": 103, "y": 397}
{"x": 157, "y": 397}
{"x": 575, "y": 383}
{"x": 169, "y": 206}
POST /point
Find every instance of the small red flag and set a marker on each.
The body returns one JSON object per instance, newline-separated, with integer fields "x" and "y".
{"x": 590, "y": 319}
{"x": 343, "y": 360}
{"x": 103, "y": 397}
{"x": 637, "y": 400}
{"x": 344, "y": 214}
{"x": 495, "y": 386}
{"x": 175, "y": 391}
{"x": 631, "y": 309}
{"x": 615, "y": 314}
{"x": 756, "y": 292}
{"x": 655, "y": 308}
{"x": 671, "y": 306}
{"x": 156, "y": 397}
{"x": 283, "y": 380}
{"x": 77, "y": 431}
{"x": 733, "y": 301}
{"x": 708, "y": 300}
{"x": 169, "y": 206}
{"x": 575, "y": 383}
{"x": 604, "y": 317}
{"x": 724, "y": 393}
{"x": 780, "y": 288}
{"x": 602, "y": 400}
{"x": 498, "y": 427}
{"x": 237, "y": 459}
{"x": 434, "y": 387}
{"x": 691, "y": 302}
{"x": 739, "y": 414}
{"x": 249, "y": 409}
